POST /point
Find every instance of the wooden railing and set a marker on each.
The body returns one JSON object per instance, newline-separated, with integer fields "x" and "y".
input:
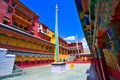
{"x": 23, "y": 11}
{"x": 20, "y": 29}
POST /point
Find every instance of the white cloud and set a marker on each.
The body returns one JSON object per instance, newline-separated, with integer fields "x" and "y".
{"x": 85, "y": 46}
{"x": 84, "y": 42}
{"x": 70, "y": 38}
{"x": 68, "y": 42}
{"x": 73, "y": 39}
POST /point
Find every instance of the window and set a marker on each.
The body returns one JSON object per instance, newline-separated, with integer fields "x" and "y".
{"x": 39, "y": 30}
{"x": 6, "y": 20}
{"x": 9, "y": 10}
{"x": 21, "y": 26}
{"x": 47, "y": 48}
{"x": 13, "y": 4}
{"x": 14, "y": 23}
{"x": 7, "y": 1}
{"x": 26, "y": 28}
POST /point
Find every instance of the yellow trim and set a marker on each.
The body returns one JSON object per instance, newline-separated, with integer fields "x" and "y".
{"x": 18, "y": 58}
{"x": 12, "y": 41}
{"x": 3, "y": 39}
{"x": 21, "y": 43}
{"x": 28, "y": 44}
{"x": 26, "y": 58}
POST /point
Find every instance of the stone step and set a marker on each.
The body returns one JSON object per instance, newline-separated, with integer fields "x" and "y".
{"x": 15, "y": 73}
{"x": 17, "y": 70}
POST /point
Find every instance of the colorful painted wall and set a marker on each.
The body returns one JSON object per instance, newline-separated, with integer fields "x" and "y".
{"x": 100, "y": 23}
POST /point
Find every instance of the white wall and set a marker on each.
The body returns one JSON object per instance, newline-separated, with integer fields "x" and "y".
{"x": 6, "y": 62}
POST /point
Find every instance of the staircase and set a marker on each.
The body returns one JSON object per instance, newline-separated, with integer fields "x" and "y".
{"x": 16, "y": 72}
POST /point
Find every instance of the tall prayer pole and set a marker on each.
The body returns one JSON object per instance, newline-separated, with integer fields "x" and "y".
{"x": 57, "y": 66}
{"x": 77, "y": 45}
{"x": 56, "y": 36}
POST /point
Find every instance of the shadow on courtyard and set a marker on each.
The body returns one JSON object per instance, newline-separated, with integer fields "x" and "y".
{"x": 92, "y": 75}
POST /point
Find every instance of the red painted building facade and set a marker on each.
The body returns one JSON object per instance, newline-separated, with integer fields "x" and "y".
{"x": 19, "y": 34}
{"x": 73, "y": 48}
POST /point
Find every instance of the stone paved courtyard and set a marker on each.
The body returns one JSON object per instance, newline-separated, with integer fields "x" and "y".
{"x": 79, "y": 72}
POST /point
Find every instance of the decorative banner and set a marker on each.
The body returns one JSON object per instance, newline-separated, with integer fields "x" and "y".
{"x": 81, "y": 16}
{"x": 110, "y": 59}
{"x": 84, "y": 5}
{"x": 99, "y": 21}
{"x": 87, "y": 20}
{"x": 109, "y": 32}
{"x": 108, "y": 45}
{"x": 78, "y": 4}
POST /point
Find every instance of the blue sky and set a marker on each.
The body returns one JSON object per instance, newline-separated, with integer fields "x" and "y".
{"x": 68, "y": 20}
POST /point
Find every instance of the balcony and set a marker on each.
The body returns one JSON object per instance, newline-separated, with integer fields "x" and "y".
{"x": 20, "y": 29}
{"x": 44, "y": 36}
{"x": 23, "y": 11}
{"x": 22, "y": 20}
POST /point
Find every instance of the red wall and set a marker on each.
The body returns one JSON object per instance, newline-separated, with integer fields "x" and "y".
{"x": 35, "y": 28}
{"x": 115, "y": 74}
{"x": 3, "y": 9}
